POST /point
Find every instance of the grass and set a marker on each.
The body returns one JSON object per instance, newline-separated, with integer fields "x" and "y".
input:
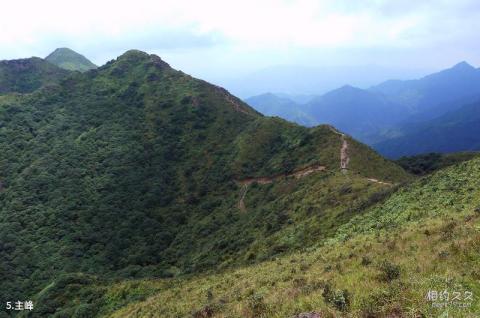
{"x": 296, "y": 283}
{"x": 382, "y": 263}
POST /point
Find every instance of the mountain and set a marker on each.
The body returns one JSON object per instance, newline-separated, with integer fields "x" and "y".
{"x": 392, "y": 260}
{"x": 356, "y": 111}
{"x": 310, "y": 80}
{"x": 273, "y": 105}
{"x": 135, "y": 190}
{"x": 460, "y": 81}
{"x": 386, "y": 111}
{"x": 27, "y": 75}
{"x": 70, "y": 60}
{"x": 136, "y": 170}
{"x": 452, "y": 132}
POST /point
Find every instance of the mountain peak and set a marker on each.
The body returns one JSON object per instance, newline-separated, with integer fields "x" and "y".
{"x": 62, "y": 50}
{"x": 348, "y": 87}
{"x": 345, "y": 89}
{"x": 463, "y": 66}
{"x": 136, "y": 56}
{"x": 70, "y": 60}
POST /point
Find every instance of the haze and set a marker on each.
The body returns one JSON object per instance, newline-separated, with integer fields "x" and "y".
{"x": 244, "y": 45}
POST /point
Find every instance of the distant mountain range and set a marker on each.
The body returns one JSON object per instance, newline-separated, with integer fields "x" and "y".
{"x": 394, "y": 110}
{"x": 311, "y": 80}
{"x": 454, "y": 131}
{"x": 273, "y": 105}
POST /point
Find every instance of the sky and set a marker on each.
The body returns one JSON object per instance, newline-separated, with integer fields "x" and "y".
{"x": 225, "y": 41}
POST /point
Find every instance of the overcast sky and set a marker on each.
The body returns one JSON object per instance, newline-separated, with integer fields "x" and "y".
{"x": 221, "y": 38}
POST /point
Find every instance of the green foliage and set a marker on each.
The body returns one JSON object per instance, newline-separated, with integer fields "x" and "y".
{"x": 28, "y": 75}
{"x": 340, "y": 299}
{"x": 422, "y": 237}
{"x": 389, "y": 271}
{"x": 256, "y": 306}
{"x": 428, "y": 163}
{"x": 70, "y": 60}
{"x": 129, "y": 171}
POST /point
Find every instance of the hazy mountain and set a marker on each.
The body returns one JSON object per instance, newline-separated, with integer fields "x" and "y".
{"x": 452, "y": 132}
{"x": 389, "y": 110}
{"x": 310, "y": 80}
{"x": 297, "y": 98}
{"x": 356, "y": 111}
{"x": 70, "y": 60}
{"x": 27, "y": 75}
{"x": 442, "y": 88}
{"x": 273, "y": 105}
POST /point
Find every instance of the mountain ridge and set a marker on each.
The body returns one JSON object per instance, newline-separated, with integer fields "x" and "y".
{"x": 27, "y": 75}
{"x": 130, "y": 169}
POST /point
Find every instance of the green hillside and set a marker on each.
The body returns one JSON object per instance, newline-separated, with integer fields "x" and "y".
{"x": 135, "y": 170}
{"x": 383, "y": 263}
{"x": 430, "y": 162}
{"x": 27, "y": 75}
{"x": 70, "y": 60}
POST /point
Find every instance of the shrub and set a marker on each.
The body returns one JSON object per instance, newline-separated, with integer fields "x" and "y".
{"x": 366, "y": 261}
{"x": 340, "y": 299}
{"x": 205, "y": 312}
{"x": 477, "y": 209}
{"x": 447, "y": 230}
{"x": 256, "y": 306}
{"x": 389, "y": 271}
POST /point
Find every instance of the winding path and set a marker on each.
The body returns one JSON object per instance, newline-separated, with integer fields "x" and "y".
{"x": 344, "y": 157}
{"x": 344, "y": 161}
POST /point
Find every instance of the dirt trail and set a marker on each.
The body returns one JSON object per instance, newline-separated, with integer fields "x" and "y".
{"x": 344, "y": 161}
{"x": 241, "y": 202}
{"x": 266, "y": 180}
{"x": 379, "y": 182}
{"x": 344, "y": 157}
{"x": 296, "y": 174}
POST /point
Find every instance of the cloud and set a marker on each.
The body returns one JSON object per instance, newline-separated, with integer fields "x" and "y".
{"x": 248, "y": 33}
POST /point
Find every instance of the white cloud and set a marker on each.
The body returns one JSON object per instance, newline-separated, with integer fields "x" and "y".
{"x": 235, "y": 32}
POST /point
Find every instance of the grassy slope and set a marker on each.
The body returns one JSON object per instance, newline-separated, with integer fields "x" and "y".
{"x": 428, "y": 233}
{"x": 70, "y": 60}
{"x": 129, "y": 171}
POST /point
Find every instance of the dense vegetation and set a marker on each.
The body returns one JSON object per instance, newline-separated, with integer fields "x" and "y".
{"x": 70, "y": 60}
{"x": 382, "y": 263}
{"x": 131, "y": 170}
{"x": 27, "y": 75}
{"x": 430, "y": 162}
